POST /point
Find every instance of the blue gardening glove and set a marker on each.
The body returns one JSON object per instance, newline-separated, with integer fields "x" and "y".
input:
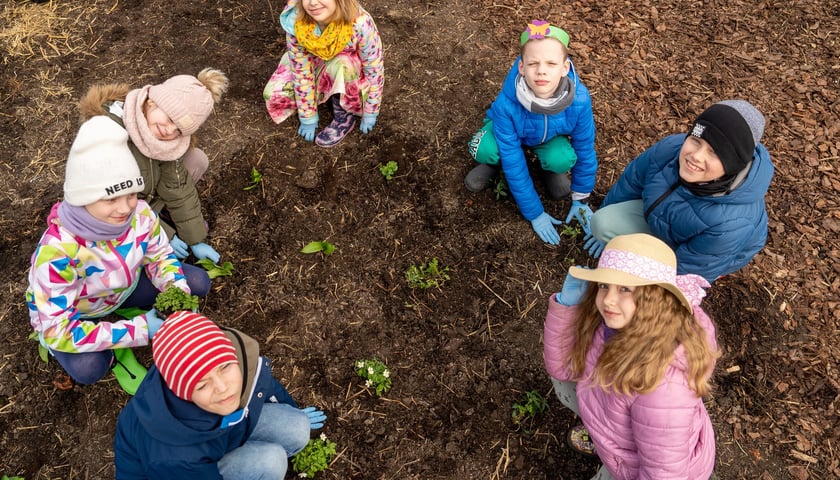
{"x": 179, "y": 246}
{"x": 368, "y": 121}
{"x": 544, "y": 226}
{"x": 202, "y": 251}
{"x": 307, "y": 128}
{"x": 316, "y": 417}
{"x": 572, "y": 292}
{"x": 581, "y": 212}
{"x": 593, "y": 245}
{"x": 154, "y": 322}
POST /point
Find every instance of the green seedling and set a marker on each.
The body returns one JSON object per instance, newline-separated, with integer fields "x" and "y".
{"x": 570, "y": 231}
{"x": 376, "y": 375}
{"x": 532, "y": 404}
{"x": 172, "y": 300}
{"x": 388, "y": 170}
{"x": 324, "y": 247}
{"x": 42, "y": 352}
{"x": 427, "y": 275}
{"x": 214, "y": 270}
{"x": 500, "y": 187}
{"x": 256, "y": 179}
{"x": 315, "y": 457}
{"x": 11, "y": 478}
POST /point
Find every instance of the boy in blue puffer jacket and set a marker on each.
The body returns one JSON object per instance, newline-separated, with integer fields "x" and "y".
{"x": 545, "y": 107}
{"x": 209, "y": 409}
{"x": 701, "y": 193}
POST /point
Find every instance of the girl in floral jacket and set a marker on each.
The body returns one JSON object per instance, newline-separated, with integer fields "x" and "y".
{"x": 334, "y": 53}
{"x": 103, "y": 249}
{"x": 632, "y": 354}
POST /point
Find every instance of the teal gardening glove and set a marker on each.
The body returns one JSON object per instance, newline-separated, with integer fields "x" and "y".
{"x": 368, "y": 121}
{"x": 572, "y": 292}
{"x": 153, "y": 322}
{"x": 316, "y": 417}
{"x": 581, "y": 212}
{"x": 179, "y": 246}
{"x": 307, "y": 128}
{"x": 593, "y": 245}
{"x": 544, "y": 226}
{"x": 202, "y": 250}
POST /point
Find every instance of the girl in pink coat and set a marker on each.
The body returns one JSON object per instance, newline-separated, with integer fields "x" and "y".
{"x": 630, "y": 350}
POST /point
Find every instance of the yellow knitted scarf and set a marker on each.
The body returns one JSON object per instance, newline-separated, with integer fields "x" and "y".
{"x": 332, "y": 40}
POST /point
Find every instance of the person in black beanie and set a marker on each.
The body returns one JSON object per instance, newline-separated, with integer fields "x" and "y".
{"x": 702, "y": 193}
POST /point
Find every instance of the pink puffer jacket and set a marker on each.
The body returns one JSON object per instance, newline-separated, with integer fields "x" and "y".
{"x": 666, "y": 434}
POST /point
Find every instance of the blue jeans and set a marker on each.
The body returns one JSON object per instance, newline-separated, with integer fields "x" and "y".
{"x": 89, "y": 367}
{"x": 282, "y": 431}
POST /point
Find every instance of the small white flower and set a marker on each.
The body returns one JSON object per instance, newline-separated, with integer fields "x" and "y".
{"x": 386, "y": 373}
{"x": 368, "y": 383}
{"x": 360, "y": 364}
{"x": 303, "y": 475}
{"x": 370, "y": 370}
{"x": 323, "y": 437}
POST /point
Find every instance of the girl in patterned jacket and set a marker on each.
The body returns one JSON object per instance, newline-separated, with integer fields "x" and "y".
{"x": 334, "y": 53}
{"x": 630, "y": 350}
{"x": 103, "y": 249}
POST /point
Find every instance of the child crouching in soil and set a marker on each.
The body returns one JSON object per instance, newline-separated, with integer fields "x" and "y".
{"x": 161, "y": 121}
{"x": 209, "y": 409}
{"x": 334, "y": 54}
{"x": 630, "y": 350}
{"x": 103, "y": 249}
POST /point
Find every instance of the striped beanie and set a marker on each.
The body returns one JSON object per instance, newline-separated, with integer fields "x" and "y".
{"x": 186, "y": 348}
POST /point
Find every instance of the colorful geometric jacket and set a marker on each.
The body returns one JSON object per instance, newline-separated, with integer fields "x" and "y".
{"x": 365, "y": 43}
{"x": 72, "y": 279}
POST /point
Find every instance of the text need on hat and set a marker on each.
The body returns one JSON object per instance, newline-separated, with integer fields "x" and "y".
{"x": 185, "y": 100}
{"x": 186, "y": 348}
{"x": 635, "y": 260}
{"x": 100, "y": 165}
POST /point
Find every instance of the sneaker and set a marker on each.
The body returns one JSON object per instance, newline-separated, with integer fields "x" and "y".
{"x": 481, "y": 177}
{"x": 579, "y": 441}
{"x": 128, "y": 370}
{"x": 341, "y": 124}
{"x": 557, "y": 185}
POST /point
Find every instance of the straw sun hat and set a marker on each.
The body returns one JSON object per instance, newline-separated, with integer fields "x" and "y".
{"x": 641, "y": 259}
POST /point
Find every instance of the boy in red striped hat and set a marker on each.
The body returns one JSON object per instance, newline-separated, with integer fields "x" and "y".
{"x": 209, "y": 409}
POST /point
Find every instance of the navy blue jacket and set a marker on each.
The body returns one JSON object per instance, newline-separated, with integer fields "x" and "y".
{"x": 162, "y": 436}
{"x": 514, "y": 127}
{"x": 711, "y": 235}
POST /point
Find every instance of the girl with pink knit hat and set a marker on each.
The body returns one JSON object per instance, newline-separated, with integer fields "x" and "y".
{"x": 630, "y": 350}
{"x": 161, "y": 121}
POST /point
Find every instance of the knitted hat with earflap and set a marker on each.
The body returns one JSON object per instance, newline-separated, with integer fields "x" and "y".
{"x": 188, "y": 100}
{"x": 733, "y": 128}
{"x": 186, "y": 348}
{"x": 100, "y": 165}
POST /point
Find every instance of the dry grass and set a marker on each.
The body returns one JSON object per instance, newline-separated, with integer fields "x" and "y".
{"x": 48, "y": 30}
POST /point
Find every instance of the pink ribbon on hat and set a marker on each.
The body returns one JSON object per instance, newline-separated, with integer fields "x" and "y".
{"x": 691, "y": 285}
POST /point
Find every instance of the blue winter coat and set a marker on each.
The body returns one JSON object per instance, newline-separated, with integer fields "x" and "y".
{"x": 711, "y": 235}
{"x": 514, "y": 127}
{"x": 162, "y": 436}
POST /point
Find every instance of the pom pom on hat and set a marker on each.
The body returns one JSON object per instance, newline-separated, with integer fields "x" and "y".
{"x": 733, "y": 128}
{"x": 100, "y": 165}
{"x": 188, "y": 100}
{"x": 186, "y": 348}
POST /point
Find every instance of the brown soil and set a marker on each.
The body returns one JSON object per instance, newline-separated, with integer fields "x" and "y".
{"x": 461, "y": 355}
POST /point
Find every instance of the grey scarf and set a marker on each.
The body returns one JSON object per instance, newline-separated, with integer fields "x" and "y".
{"x": 560, "y": 99}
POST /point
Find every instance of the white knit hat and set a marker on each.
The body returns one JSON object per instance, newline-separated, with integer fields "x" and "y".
{"x": 100, "y": 164}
